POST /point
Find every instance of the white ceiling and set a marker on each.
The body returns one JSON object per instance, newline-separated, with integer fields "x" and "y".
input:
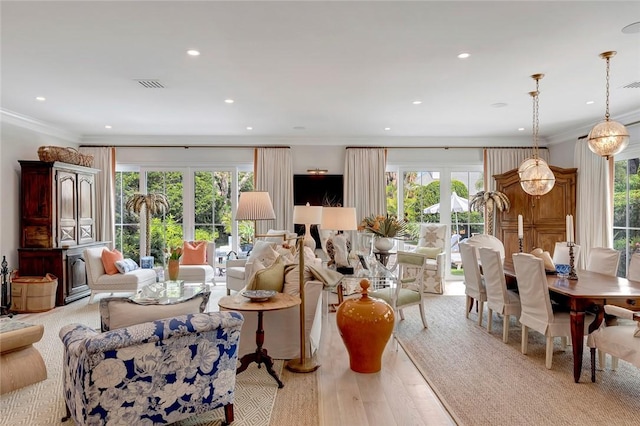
{"x": 310, "y": 71}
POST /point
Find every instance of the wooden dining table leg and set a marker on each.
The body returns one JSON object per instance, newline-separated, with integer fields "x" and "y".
{"x": 577, "y": 337}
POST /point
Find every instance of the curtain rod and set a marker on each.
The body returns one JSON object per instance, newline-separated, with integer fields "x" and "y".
{"x": 447, "y": 147}
{"x": 184, "y": 146}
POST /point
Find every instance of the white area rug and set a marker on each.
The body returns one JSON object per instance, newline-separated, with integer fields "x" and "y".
{"x": 43, "y": 403}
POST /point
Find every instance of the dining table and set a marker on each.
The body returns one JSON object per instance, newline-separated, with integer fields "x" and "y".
{"x": 590, "y": 292}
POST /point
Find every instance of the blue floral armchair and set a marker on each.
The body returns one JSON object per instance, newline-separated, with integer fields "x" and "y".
{"x": 151, "y": 373}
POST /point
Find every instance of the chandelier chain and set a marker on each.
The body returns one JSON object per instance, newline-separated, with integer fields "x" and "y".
{"x": 606, "y": 114}
{"x": 536, "y": 120}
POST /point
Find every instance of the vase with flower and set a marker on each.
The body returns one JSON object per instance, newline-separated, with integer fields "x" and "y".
{"x": 385, "y": 228}
{"x": 173, "y": 264}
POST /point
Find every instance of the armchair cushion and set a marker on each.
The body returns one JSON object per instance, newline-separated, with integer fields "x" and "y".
{"x": 109, "y": 259}
{"x": 430, "y": 252}
{"x": 194, "y": 253}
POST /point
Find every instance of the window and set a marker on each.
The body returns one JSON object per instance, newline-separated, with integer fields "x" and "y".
{"x": 127, "y": 224}
{"x": 626, "y": 211}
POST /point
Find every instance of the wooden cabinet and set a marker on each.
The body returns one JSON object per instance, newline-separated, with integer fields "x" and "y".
{"x": 57, "y": 222}
{"x": 544, "y": 218}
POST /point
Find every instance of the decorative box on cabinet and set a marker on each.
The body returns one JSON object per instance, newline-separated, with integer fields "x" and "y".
{"x": 544, "y": 218}
{"x": 57, "y": 222}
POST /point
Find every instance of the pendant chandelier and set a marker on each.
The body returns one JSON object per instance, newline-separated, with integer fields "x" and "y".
{"x": 608, "y": 138}
{"x": 536, "y": 178}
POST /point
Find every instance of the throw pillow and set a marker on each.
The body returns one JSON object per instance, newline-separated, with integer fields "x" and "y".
{"x": 109, "y": 259}
{"x": 430, "y": 252}
{"x": 126, "y": 265}
{"x": 194, "y": 253}
{"x": 271, "y": 278}
{"x": 264, "y": 252}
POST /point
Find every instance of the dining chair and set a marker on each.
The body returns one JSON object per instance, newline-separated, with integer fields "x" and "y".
{"x": 633, "y": 273}
{"x": 408, "y": 290}
{"x": 499, "y": 298}
{"x": 603, "y": 260}
{"x": 474, "y": 286}
{"x": 486, "y": 240}
{"x": 621, "y": 341}
{"x": 536, "y": 312}
{"x": 561, "y": 254}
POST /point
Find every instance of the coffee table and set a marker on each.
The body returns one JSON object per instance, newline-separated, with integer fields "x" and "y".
{"x": 237, "y": 302}
{"x": 168, "y": 293}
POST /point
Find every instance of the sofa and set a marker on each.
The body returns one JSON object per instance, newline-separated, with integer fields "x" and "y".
{"x": 204, "y": 273}
{"x": 282, "y": 327}
{"x": 151, "y": 373}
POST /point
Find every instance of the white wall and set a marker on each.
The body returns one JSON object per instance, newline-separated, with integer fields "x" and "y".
{"x": 18, "y": 143}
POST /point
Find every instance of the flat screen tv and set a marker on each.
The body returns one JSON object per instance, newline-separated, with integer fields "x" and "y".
{"x": 317, "y": 190}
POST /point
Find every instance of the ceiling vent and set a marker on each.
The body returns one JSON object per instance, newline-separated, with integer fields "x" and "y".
{"x": 150, "y": 84}
{"x": 634, "y": 85}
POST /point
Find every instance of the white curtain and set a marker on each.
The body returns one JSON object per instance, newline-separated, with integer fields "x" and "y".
{"x": 501, "y": 160}
{"x": 365, "y": 181}
{"x": 593, "y": 222}
{"x": 104, "y": 159}
{"x": 274, "y": 174}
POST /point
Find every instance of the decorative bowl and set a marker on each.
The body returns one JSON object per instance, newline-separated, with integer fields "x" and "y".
{"x": 258, "y": 295}
{"x": 563, "y": 270}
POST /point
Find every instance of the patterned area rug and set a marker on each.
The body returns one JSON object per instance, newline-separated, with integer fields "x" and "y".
{"x": 483, "y": 381}
{"x": 43, "y": 403}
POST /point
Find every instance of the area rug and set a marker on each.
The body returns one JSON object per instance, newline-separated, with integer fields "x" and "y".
{"x": 43, "y": 403}
{"x": 483, "y": 381}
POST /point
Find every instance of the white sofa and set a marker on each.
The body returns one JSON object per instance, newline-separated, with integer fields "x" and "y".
{"x": 200, "y": 273}
{"x": 101, "y": 282}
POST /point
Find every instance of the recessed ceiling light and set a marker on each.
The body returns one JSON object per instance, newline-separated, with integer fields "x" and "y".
{"x": 229, "y": 101}
{"x": 107, "y": 126}
{"x": 41, "y": 98}
{"x": 632, "y": 28}
{"x": 193, "y": 52}
{"x": 417, "y": 102}
{"x": 387, "y": 128}
{"x": 249, "y": 128}
{"x": 499, "y": 105}
{"x": 521, "y": 129}
{"x": 464, "y": 55}
{"x": 299, "y": 128}
{"x": 589, "y": 102}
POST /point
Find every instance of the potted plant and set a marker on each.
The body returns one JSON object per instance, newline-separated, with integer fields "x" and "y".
{"x": 173, "y": 264}
{"x": 385, "y": 228}
{"x": 153, "y": 203}
{"x": 490, "y": 201}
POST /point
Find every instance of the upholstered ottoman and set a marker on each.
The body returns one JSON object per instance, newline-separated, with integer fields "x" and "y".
{"x": 20, "y": 363}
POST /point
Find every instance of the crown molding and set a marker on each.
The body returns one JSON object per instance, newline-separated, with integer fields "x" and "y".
{"x": 572, "y": 135}
{"x": 29, "y": 123}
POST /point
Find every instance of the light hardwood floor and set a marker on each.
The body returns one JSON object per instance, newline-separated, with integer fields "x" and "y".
{"x": 397, "y": 395}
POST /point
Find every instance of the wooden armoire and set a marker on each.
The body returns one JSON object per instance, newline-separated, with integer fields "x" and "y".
{"x": 57, "y": 222}
{"x": 544, "y": 218}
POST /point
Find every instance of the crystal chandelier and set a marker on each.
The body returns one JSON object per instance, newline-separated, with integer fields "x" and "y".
{"x": 536, "y": 178}
{"x": 608, "y": 138}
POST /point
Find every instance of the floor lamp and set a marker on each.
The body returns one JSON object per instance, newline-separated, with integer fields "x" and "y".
{"x": 302, "y": 364}
{"x": 307, "y": 215}
{"x": 255, "y": 205}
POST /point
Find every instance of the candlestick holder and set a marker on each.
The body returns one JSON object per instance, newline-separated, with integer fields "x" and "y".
{"x": 572, "y": 271}
{"x": 520, "y": 243}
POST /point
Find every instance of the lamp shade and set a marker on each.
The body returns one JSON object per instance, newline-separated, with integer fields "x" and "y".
{"x": 255, "y": 205}
{"x": 608, "y": 138}
{"x": 339, "y": 218}
{"x": 307, "y": 215}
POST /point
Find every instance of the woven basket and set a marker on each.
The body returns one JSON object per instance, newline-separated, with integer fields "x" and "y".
{"x": 50, "y": 154}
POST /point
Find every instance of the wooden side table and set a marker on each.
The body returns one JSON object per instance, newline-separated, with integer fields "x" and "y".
{"x": 238, "y": 302}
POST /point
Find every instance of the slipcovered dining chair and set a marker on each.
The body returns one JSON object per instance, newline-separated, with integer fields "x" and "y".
{"x": 603, "y": 260}
{"x": 633, "y": 273}
{"x": 499, "y": 299}
{"x": 621, "y": 341}
{"x": 433, "y": 241}
{"x": 474, "y": 286}
{"x": 486, "y": 240}
{"x": 535, "y": 302}
{"x": 561, "y": 254}
{"x": 409, "y": 288}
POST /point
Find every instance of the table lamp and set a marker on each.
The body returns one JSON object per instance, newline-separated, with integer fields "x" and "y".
{"x": 339, "y": 219}
{"x": 307, "y": 215}
{"x": 255, "y": 205}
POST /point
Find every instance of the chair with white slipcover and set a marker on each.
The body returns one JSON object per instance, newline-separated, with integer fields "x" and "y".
{"x": 433, "y": 237}
{"x": 621, "y": 341}
{"x": 633, "y": 273}
{"x": 474, "y": 286}
{"x": 499, "y": 298}
{"x": 486, "y": 240}
{"x": 603, "y": 260}
{"x": 535, "y": 303}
